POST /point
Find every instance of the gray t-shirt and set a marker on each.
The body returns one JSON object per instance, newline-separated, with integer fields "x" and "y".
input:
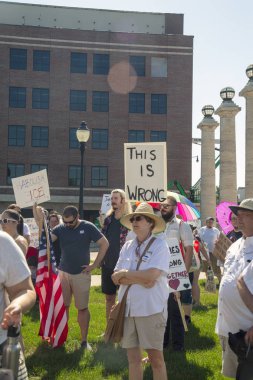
{"x": 75, "y": 245}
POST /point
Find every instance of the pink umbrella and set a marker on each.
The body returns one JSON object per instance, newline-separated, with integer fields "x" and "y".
{"x": 223, "y": 215}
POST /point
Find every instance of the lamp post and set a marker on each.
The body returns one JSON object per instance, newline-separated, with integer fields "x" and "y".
{"x": 82, "y": 135}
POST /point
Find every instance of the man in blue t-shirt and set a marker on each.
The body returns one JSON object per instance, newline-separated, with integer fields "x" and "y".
{"x": 75, "y": 236}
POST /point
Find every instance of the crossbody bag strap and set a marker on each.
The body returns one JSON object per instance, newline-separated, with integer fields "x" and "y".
{"x": 139, "y": 263}
{"x": 144, "y": 252}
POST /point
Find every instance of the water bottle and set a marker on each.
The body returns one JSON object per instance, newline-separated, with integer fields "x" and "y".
{"x": 11, "y": 351}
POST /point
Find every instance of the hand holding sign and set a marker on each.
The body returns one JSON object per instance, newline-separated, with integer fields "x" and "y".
{"x": 31, "y": 188}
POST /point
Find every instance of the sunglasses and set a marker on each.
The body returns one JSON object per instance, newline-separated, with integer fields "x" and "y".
{"x": 5, "y": 221}
{"x": 138, "y": 218}
{"x": 166, "y": 206}
{"x": 69, "y": 222}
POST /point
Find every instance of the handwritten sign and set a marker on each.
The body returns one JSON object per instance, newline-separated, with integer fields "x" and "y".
{"x": 145, "y": 171}
{"x": 178, "y": 278}
{"x": 106, "y": 203}
{"x": 34, "y": 231}
{"x": 31, "y": 188}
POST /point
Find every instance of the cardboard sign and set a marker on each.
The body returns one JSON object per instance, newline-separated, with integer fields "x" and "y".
{"x": 34, "y": 230}
{"x": 106, "y": 203}
{"x": 31, "y": 188}
{"x": 145, "y": 171}
{"x": 178, "y": 278}
{"x": 221, "y": 247}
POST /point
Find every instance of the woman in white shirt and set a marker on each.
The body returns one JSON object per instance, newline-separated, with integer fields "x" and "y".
{"x": 146, "y": 306}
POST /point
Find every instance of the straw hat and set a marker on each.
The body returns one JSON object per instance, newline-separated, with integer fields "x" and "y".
{"x": 246, "y": 205}
{"x": 146, "y": 210}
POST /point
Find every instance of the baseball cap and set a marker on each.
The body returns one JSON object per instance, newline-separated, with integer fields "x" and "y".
{"x": 209, "y": 218}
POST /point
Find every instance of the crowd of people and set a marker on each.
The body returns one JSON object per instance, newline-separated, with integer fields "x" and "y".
{"x": 134, "y": 256}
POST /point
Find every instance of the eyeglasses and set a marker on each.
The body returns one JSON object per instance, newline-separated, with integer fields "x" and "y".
{"x": 70, "y": 221}
{"x": 137, "y": 218}
{"x": 166, "y": 206}
{"x": 5, "y": 221}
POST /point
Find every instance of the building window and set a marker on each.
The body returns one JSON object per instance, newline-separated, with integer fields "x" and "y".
{"x": 100, "y": 101}
{"x": 136, "y": 103}
{"x": 73, "y": 142}
{"x": 77, "y": 100}
{"x": 13, "y": 171}
{"x": 41, "y": 60}
{"x": 40, "y": 137}
{"x": 16, "y": 135}
{"x": 156, "y": 136}
{"x": 74, "y": 175}
{"x": 136, "y": 136}
{"x": 37, "y": 167}
{"x": 138, "y": 64}
{"x": 101, "y": 64}
{"x": 158, "y": 67}
{"x": 78, "y": 63}
{"x": 18, "y": 59}
{"x": 40, "y": 98}
{"x": 99, "y": 176}
{"x": 17, "y": 97}
{"x": 159, "y": 103}
{"x": 99, "y": 138}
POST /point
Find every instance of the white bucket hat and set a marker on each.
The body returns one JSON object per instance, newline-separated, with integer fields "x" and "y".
{"x": 146, "y": 210}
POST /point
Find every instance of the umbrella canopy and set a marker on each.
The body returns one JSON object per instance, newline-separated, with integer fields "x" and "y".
{"x": 185, "y": 207}
{"x": 223, "y": 215}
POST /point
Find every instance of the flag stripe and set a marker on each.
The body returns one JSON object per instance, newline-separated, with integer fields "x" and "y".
{"x": 53, "y": 316}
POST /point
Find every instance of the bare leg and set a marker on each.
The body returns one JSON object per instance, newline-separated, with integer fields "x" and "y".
{"x": 110, "y": 301}
{"x": 135, "y": 364}
{"x": 158, "y": 365}
{"x": 83, "y": 320}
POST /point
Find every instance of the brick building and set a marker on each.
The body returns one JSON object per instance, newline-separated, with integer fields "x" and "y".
{"x": 127, "y": 74}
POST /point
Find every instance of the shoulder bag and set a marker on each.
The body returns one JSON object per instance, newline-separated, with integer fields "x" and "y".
{"x": 115, "y": 325}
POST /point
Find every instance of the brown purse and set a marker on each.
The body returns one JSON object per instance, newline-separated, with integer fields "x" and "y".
{"x": 115, "y": 325}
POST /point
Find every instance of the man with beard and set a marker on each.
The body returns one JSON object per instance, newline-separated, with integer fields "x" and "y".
{"x": 116, "y": 236}
{"x": 75, "y": 236}
{"x": 235, "y": 234}
{"x": 176, "y": 228}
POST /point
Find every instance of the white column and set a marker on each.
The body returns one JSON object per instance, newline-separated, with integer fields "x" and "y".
{"x": 247, "y": 93}
{"x": 227, "y": 112}
{"x": 208, "y": 190}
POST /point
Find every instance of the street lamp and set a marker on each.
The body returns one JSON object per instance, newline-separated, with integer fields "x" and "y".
{"x": 82, "y": 135}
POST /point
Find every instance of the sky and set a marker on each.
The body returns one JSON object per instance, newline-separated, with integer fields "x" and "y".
{"x": 223, "y": 36}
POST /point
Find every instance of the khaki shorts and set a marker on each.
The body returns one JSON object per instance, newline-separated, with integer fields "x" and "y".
{"x": 145, "y": 332}
{"x": 229, "y": 359}
{"x": 79, "y": 286}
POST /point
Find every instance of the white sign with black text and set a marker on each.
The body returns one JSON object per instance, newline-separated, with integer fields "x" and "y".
{"x": 145, "y": 171}
{"x": 178, "y": 278}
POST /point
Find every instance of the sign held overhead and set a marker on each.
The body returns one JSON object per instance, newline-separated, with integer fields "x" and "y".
{"x": 145, "y": 171}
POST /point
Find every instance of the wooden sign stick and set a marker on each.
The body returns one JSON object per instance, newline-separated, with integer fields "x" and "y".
{"x": 182, "y": 314}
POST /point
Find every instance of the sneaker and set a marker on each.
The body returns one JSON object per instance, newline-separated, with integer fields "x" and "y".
{"x": 86, "y": 346}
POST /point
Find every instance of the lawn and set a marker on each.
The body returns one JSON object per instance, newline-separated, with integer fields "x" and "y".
{"x": 201, "y": 361}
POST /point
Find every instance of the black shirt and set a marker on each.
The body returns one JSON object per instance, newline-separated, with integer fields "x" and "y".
{"x": 113, "y": 236}
{"x": 234, "y": 235}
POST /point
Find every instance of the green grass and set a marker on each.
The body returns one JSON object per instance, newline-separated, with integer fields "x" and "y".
{"x": 201, "y": 361}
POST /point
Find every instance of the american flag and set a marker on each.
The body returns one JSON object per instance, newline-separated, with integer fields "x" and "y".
{"x": 53, "y": 316}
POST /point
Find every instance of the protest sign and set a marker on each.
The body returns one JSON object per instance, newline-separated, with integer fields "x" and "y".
{"x": 34, "y": 231}
{"x": 106, "y": 203}
{"x": 145, "y": 171}
{"x": 31, "y": 188}
{"x": 221, "y": 247}
{"x": 178, "y": 278}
